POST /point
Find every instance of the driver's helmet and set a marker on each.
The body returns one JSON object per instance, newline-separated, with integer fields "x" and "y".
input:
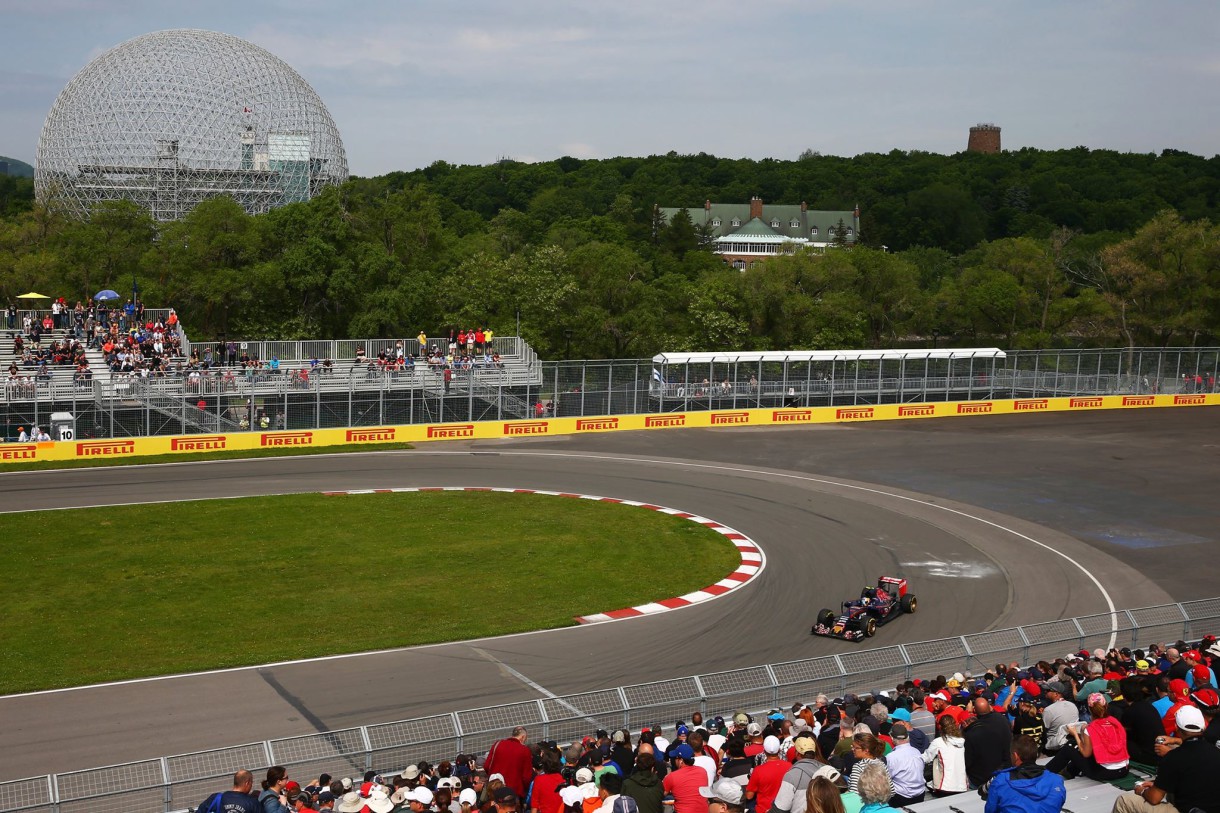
{"x": 866, "y": 601}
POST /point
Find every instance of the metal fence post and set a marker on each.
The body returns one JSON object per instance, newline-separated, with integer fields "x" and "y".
{"x": 842, "y": 675}
{"x": 1079, "y": 634}
{"x": 53, "y": 790}
{"x": 909, "y": 665}
{"x": 546, "y": 721}
{"x": 702, "y": 694}
{"x": 622, "y": 696}
{"x": 368, "y": 748}
{"x": 774, "y": 686}
{"x": 1025, "y": 645}
{"x": 169, "y": 792}
{"x": 457, "y": 730}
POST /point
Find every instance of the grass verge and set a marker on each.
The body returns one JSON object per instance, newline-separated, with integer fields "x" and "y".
{"x": 191, "y": 457}
{"x": 111, "y": 593}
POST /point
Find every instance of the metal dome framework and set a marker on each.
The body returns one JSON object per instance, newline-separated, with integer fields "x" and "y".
{"x": 172, "y": 118}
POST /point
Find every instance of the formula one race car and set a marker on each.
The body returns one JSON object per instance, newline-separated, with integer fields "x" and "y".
{"x": 861, "y": 617}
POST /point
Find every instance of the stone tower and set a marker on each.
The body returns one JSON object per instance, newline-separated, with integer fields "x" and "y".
{"x": 984, "y": 138}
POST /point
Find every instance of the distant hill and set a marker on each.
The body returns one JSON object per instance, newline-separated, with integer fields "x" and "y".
{"x": 19, "y": 168}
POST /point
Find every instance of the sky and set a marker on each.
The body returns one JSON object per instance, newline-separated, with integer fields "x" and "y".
{"x": 411, "y": 82}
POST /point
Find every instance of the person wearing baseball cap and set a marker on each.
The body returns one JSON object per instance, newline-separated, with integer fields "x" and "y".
{"x": 790, "y": 798}
{"x": 1188, "y": 772}
{"x": 685, "y": 780}
{"x": 765, "y": 779}
{"x": 725, "y": 796}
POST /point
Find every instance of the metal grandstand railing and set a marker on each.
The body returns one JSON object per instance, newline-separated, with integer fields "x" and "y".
{"x": 161, "y": 784}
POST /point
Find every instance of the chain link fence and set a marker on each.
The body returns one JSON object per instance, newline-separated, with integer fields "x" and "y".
{"x": 182, "y": 781}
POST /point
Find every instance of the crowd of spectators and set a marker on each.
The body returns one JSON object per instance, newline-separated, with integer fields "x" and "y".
{"x": 1012, "y": 735}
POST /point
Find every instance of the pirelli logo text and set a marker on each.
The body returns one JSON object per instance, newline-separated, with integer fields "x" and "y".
{"x": 199, "y": 444}
{"x": 1030, "y": 404}
{"x": 924, "y": 410}
{"x": 658, "y": 421}
{"x": 792, "y": 416}
{"x": 287, "y": 439}
{"x": 1085, "y": 403}
{"x": 596, "y": 424}
{"x": 726, "y": 418}
{"x": 371, "y": 435}
{"x": 23, "y": 452}
{"x": 853, "y": 413}
{"x": 1139, "y": 400}
{"x": 527, "y": 428}
{"x": 456, "y": 430}
{"x": 974, "y": 408}
{"x": 1189, "y": 400}
{"x": 102, "y": 448}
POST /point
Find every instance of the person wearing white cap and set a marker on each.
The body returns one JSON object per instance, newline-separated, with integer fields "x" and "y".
{"x": 1188, "y": 772}
{"x": 723, "y": 797}
{"x": 765, "y": 780}
{"x": 420, "y": 800}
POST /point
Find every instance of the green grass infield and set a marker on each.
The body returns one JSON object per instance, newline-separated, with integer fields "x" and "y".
{"x": 104, "y": 594}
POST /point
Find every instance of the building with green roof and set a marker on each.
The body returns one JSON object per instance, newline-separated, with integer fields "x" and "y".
{"x": 746, "y": 233}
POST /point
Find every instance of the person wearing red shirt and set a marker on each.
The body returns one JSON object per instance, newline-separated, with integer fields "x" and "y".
{"x": 511, "y": 758}
{"x": 685, "y": 781}
{"x": 766, "y": 778}
{"x": 545, "y": 798}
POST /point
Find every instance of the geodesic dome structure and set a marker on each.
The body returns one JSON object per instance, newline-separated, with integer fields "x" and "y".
{"x": 172, "y": 118}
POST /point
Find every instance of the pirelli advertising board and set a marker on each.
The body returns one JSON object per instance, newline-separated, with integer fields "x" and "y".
{"x": 490, "y": 430}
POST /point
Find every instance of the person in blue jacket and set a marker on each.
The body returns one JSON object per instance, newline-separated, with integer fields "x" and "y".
{"x": 1025, "y": 788}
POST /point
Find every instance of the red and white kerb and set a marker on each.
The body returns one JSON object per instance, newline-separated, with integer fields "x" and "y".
{"x": 753, "y": 560}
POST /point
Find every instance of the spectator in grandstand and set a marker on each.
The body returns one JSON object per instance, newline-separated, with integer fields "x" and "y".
{"x": 685, "y": 780}
{"x": 823, "y": 796}
{"x": 988, "y": 743}
{"x": 866, "y": 750}
{"x": 512, "y": 758}
{"x": 1179, "y": 694}
{"x": 609, "y": 789}
{"x": 1098, "y": 750}
{"x": 790, "y": 798}
{"x": 947, "y": 756}
{"x": 1187, "y": 772}
{"x": 643, "y": 784}
{"x": 905, "y": 766}
{"x": 273, "y": 798}
{"x": 1028, "y": 720}
{"x": 873, "y": 786}
{"x": 725, "y": 796}
{"x": 1026, "y": 787}
{"x": 1060, "y": 713}
{"x": 764, "y": 781}
{"x": 237, "y": 800}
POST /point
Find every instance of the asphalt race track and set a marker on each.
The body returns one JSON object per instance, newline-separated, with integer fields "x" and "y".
{"x": 996, "y": 521}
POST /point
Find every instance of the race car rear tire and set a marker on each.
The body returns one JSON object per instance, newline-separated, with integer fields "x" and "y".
{"x": 908, "y": 603}
{"x": 870, "y": 627}
{"x": 826, "y": 617}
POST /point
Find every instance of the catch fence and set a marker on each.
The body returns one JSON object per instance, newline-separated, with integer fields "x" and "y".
{"x": 182, "y": 781}
{"x": 300, "y": 395}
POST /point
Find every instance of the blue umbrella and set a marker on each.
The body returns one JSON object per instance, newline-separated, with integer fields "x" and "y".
{"x": 104, "y": 295}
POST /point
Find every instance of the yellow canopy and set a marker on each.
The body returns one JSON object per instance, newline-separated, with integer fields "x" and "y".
{"x": 32, "y": 295}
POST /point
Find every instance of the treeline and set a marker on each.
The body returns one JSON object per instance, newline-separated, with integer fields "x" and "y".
{"x": 1022, "y": 249}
